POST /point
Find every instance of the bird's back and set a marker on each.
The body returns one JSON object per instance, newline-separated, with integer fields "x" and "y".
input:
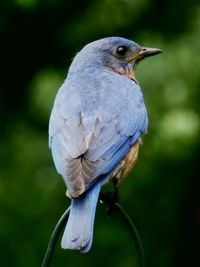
{"x": 94, "y": 113}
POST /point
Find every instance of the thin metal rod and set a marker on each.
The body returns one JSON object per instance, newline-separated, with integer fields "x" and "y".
{"x": 54, "y": 238}
{"x": 109, "y": 199}
{"x": 134, "y": 233}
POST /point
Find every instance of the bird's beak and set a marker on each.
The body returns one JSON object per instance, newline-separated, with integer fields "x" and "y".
{"x": 145, "y": 52}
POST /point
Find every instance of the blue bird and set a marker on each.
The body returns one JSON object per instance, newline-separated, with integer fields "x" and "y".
{"x": 95, "y": 128}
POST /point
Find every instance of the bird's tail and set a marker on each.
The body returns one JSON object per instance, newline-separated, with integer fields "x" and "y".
{"x": 78, "y": 233}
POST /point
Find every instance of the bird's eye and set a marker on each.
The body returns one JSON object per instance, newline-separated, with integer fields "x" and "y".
{"x": 121, "y": 51}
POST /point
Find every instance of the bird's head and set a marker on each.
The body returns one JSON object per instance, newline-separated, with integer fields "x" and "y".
{"x": 114, "y": 53}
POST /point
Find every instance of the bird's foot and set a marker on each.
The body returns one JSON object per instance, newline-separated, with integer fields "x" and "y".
{"x": 110, "y": 198}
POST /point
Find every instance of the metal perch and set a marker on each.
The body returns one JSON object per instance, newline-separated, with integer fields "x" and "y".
{"x": 112, "y": 200}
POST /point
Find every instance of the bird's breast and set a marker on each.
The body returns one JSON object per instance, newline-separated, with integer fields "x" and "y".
{"x": 126, "y": 165}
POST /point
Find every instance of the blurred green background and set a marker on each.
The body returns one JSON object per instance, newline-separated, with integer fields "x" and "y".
{"x": 38, "y": 40}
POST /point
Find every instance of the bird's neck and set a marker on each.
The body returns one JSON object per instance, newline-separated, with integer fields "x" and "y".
{"x": 124, "y": 72}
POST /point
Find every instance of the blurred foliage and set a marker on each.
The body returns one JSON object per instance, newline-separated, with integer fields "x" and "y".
{"x": 38, "y": 42}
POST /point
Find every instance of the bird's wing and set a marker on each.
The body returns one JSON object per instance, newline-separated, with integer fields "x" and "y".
{"x": 95, "y": 120}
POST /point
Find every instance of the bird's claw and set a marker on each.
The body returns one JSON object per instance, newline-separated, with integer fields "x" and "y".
{"x": 110, "y": 198}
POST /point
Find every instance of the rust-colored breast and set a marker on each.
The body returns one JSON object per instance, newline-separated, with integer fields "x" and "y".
{"x": 125, "y": 166}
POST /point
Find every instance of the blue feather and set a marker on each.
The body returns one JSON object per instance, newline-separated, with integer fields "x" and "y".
{"x": 78, "y": 233}
{"x": 117, "y": 157}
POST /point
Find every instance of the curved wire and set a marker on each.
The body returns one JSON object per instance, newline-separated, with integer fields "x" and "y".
{"x": 112, "y": 201}
{"x": 54, "y": 238}
{"x": 134, "y": 233}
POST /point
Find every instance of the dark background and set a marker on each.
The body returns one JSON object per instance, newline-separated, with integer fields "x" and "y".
{"x": 38, "y": 40}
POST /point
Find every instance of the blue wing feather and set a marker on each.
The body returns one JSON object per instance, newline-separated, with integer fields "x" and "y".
{"x": 116, "y": 157}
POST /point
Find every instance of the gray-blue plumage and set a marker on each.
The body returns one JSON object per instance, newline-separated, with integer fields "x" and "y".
{"x": 98, "y": 114}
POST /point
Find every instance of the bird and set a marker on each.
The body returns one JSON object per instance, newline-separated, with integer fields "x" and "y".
{"x": 95, "y": 128}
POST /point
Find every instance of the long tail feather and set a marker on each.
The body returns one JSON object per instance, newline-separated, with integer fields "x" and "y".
{"x": 78, "y": 233}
